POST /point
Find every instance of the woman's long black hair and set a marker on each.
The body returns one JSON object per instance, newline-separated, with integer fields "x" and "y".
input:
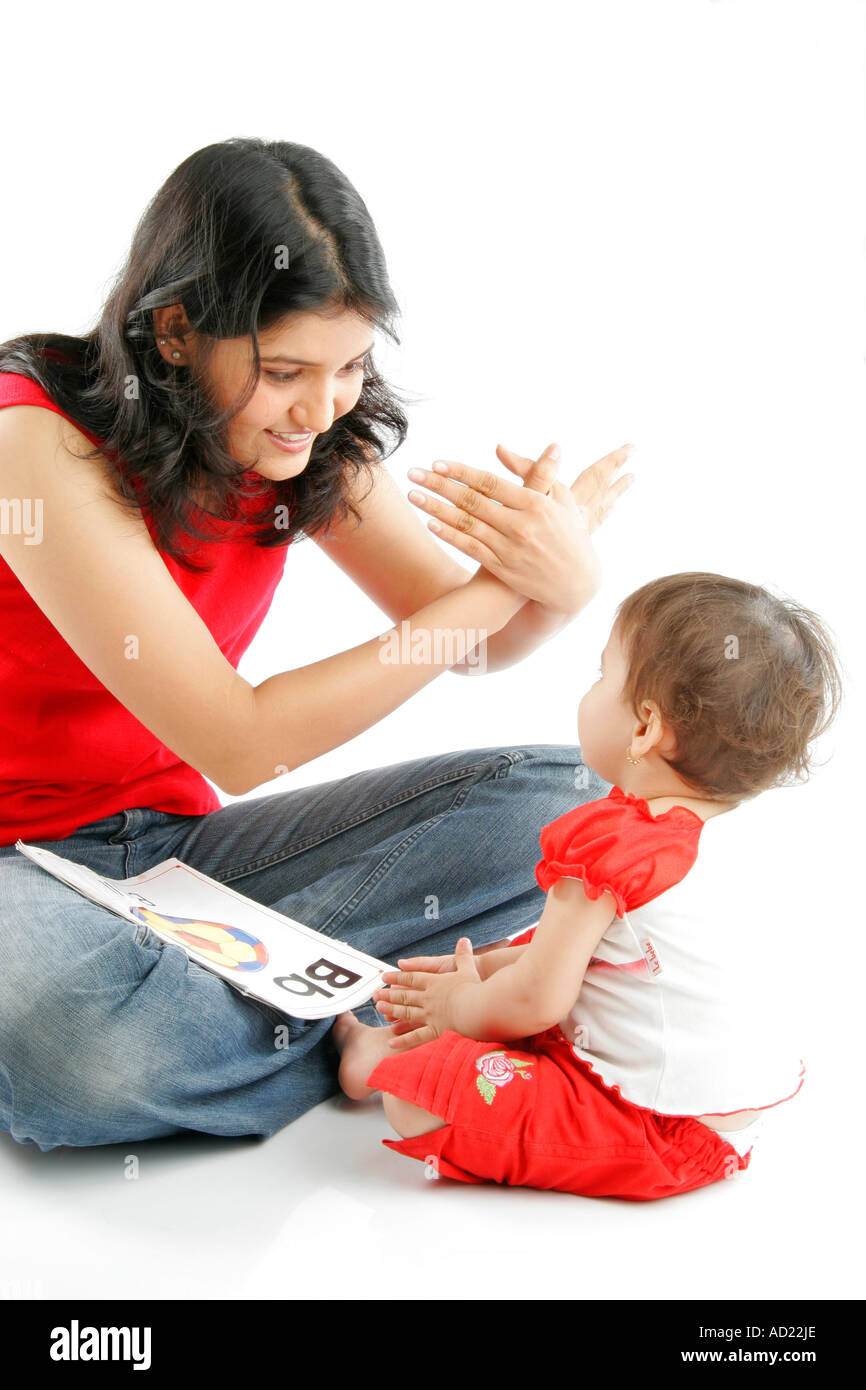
{"x": 242, "y": 233}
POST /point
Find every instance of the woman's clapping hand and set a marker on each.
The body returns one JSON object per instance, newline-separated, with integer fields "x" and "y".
{"x": 536, "y": 537}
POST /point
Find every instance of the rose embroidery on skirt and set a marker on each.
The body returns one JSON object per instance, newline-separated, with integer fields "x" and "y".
{"x": 495, "y": 1070}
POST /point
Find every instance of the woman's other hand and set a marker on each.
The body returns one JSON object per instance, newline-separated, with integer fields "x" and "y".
{"x": 594, "y": 489}
{"x": 535, "y": 538}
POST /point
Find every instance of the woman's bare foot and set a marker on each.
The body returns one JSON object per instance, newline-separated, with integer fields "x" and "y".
{"x": 361, "y": 1048}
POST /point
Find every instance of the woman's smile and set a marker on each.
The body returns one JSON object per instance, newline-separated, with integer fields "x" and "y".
{"x": 290, "y": 443}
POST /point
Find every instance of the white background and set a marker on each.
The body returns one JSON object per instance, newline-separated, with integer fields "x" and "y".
{"x": 604, "y": 222}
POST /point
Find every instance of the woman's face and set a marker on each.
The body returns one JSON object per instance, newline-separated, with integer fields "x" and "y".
{"x": 311, "y": 374}
{"x": 605, "y": 724}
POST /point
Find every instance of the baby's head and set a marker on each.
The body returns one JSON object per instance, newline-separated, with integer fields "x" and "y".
{"x": 715, "y": 685}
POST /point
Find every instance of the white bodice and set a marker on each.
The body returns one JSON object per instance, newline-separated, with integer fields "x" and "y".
{"x": 677, "y": 1007}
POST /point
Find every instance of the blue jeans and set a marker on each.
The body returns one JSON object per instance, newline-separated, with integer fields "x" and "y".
{"x": 108, "y": 1034}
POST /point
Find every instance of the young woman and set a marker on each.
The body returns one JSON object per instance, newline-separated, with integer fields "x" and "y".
{"x": 153, "y": 474}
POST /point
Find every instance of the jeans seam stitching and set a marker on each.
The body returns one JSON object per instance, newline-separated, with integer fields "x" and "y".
{"x": 254, "y": 865}
{"x": 382, "y": 868}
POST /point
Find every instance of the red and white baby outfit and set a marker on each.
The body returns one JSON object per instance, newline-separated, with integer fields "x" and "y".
{"x": 674, "y": 1019}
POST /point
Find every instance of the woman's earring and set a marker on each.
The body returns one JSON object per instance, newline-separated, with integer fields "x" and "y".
{"x": 175, "y": 354}
{"x": 634, "y": 761}
{"x": 163, "y": 341}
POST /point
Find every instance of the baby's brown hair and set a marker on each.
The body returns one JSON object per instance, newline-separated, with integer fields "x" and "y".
{"x": 746, "y": 681}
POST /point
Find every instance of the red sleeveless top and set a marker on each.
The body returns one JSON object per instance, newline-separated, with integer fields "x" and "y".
{"x": 70, "y": 752}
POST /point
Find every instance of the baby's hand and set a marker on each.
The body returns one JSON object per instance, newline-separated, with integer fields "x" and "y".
{"x": 431, "y": 965}
{"x": 418, "y": 1003}
{"x": 435, "y": 965}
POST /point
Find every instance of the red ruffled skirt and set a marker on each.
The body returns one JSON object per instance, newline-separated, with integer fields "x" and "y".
{"x": 532, "y": 1114}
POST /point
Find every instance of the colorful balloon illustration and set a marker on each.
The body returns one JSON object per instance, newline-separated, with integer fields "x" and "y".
{"x": 226, "y": 946}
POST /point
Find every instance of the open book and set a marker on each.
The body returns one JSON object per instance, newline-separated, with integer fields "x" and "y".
{"x": 254, "y": 949}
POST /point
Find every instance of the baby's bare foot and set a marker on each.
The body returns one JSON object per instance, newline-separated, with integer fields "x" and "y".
{"x": 360, "y": 1048}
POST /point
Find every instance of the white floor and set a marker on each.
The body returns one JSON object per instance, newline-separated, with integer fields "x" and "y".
{"x": 323, "y": 1210}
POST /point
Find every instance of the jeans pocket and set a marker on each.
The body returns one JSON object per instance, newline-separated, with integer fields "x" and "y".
{"x": 146, "y": 937}
{"x": 291, "y": 1028}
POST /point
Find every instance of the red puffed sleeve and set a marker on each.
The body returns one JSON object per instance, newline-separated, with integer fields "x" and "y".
{"x": 617, "y": 845}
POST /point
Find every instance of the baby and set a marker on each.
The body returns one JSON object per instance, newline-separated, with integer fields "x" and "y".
{"x": 624, "y": 1046}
